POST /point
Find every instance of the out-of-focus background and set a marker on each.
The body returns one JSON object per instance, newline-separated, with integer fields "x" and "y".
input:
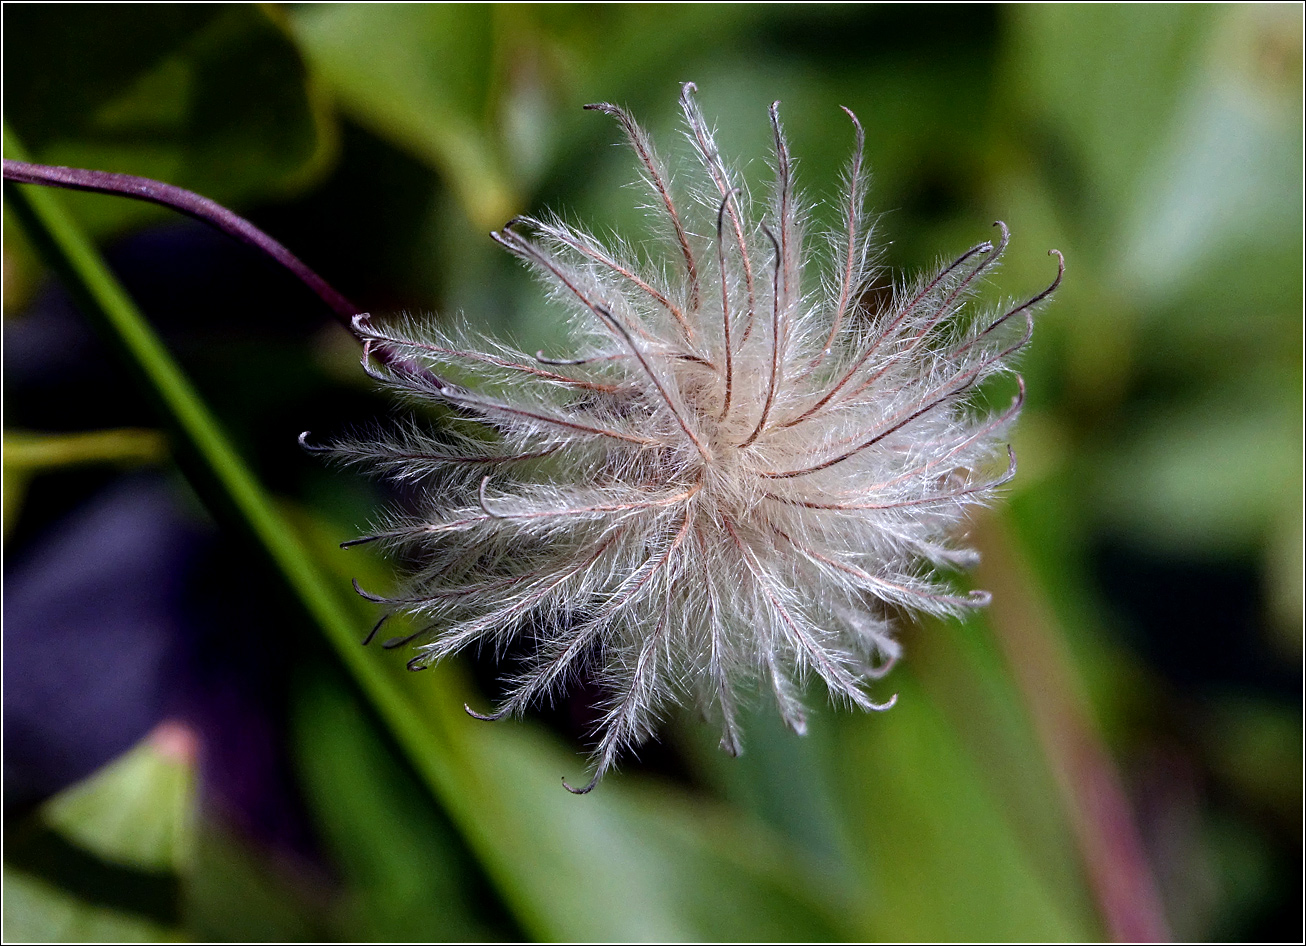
{"x": 1113, "y": 749}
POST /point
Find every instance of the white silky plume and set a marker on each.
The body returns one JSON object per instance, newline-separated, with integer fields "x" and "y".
{"x": 737, "y": 477}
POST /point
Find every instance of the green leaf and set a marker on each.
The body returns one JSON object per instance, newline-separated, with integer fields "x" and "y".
{"x": 634, "y": 862}
{"x": 630, "y": 861}
{"x": 419, "y": 75}
{"x": 938, "y": 820}
{"x": 212, "y": 98}
{"x": 102, "y": 861}
{"x": 1226, "y": 176}
{"x": 1173, "y": 136}
{"x": 137, "y": 810}
{"x": 613, "y": 865}
{"x": 125, "y": 856}
{"x": 940, "y": 856}
{"x": 1101, "y": 81}
{"x": 1216, "y": 474}
{"x": 27, "y": 453}
{"x": 207, "y": 457}
{"x": 238, "y": 892}
{"x": 32, "y": 451}
{"x": 402, "y": 864}
{"x": 39, "y": 912}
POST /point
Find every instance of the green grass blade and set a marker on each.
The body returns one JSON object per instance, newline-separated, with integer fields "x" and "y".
{"x": 631, "y": 864}
{"x": 220, "y": 476}
{"x": 206, "y": 454}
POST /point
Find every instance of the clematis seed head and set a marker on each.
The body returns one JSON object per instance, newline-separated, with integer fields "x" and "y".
{"x": 744, "y": 467}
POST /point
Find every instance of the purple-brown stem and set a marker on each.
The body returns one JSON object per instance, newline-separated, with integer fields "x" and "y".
{"x": 190, "y": 204}
{"x": 215, "y": 215}
{"x": 1101, "y": 814}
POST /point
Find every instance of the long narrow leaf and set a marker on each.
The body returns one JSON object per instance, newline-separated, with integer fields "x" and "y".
{"x": 229, "y": 489}
{"x": 629, "y": 865}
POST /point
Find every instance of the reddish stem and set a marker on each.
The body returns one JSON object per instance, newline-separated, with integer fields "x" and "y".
{"x": 215, "y": 215}
{"x": 190, "y": 204}
{"x": 1102, "y": 816}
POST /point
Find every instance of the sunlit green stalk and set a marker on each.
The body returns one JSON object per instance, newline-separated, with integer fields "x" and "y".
{"x": 234, "y": 495}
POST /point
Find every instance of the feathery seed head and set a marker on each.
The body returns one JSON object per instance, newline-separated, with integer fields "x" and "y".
{"x": 738, "y": 475}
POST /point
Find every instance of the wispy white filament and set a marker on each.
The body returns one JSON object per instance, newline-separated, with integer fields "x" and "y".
{"x": 732, "y": 482}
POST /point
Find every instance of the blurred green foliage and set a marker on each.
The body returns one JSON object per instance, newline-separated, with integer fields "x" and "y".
{"x": 1159, "y": 148}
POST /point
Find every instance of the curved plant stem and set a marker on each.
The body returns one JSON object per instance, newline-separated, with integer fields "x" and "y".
{"x": 234, "y": 495}
{"x": 215, "y": 215}
{"x": 1101, "y": 815}
{"x": 190, "y": 204}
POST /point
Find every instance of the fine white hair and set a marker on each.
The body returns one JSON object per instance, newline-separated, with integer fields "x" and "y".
{"x": 734, "y": 480}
